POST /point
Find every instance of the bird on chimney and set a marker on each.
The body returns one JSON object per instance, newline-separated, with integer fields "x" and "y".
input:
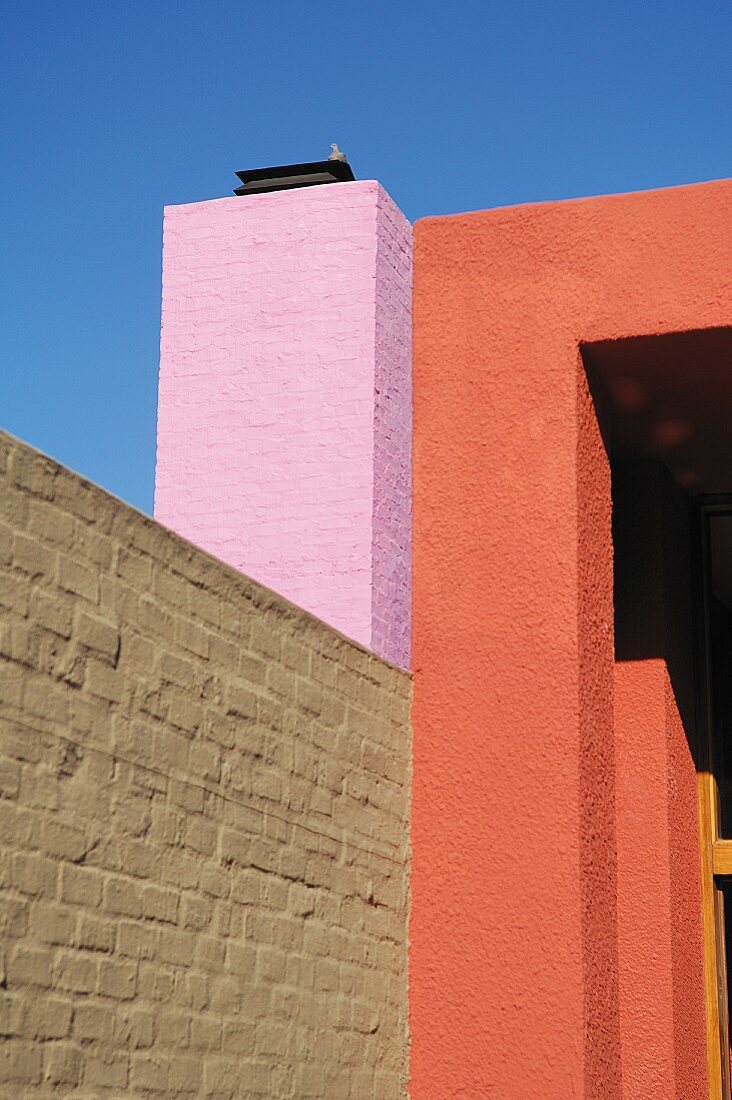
{"x": 337, "y": 154}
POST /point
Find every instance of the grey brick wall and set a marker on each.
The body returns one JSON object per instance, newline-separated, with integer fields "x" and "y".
{"x": 204, "y": 820}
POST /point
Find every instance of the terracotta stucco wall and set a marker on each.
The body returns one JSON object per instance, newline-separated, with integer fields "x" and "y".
{"x": 514, "y": 972}
{"x": 203, "y": 819}
{"x": 659, "y": 890}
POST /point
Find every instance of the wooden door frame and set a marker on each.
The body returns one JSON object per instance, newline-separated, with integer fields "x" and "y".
{"x": 716, "y": 853}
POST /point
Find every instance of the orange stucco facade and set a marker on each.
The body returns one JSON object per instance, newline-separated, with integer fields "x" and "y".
{"x": 556, "y": 946}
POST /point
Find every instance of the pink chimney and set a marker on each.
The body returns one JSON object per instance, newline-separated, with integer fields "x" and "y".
{"x": 284, "y": 418}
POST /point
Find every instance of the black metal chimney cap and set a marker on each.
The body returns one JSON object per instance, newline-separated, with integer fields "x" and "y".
{"x": 257, "y": 181}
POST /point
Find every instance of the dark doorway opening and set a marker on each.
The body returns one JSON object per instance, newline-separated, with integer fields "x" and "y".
{"x": 663, "y": 404}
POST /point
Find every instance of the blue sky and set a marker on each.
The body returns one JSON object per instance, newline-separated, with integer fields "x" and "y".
{"x": 113, "y": 108}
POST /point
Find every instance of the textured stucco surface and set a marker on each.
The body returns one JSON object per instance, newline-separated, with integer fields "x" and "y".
{"x": 284, "y": 417}
{"x": 514, "y": 809}
{"x": 659, "y": 891}
{"x": 644, "y": 882}
{"x": 596, "y": 755}
{"x": 204, "y": 820}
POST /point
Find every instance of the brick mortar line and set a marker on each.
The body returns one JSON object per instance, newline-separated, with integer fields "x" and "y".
{"x": 233, "y": 583}
{"x": 216, "y": 794}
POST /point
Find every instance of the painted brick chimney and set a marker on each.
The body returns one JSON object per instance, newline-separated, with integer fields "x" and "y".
{"x": 284, "y": 418}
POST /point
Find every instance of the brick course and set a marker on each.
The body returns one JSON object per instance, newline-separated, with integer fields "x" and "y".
{"x": 203, "y": 819}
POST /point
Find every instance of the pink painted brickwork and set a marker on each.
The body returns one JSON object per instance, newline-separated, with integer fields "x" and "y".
{"x": 392, "y": 527}
{"x": 284, "y": 418}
